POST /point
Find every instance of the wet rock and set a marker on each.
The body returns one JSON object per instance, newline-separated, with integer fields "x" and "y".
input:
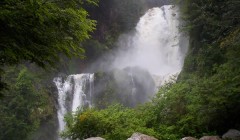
{"x": 232, "y": 134}
{"x": 189, "y": 138}
{"x": 210, "y": 138}
{"x": 139, "y": 136}
{"x": 129, "y": 86}
{"x": 95, "y": 138}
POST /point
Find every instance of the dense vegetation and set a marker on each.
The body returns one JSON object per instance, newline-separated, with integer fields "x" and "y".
{"x": 37, "y": 30}
{"x": 40, "y": 30}
{"x": 114, "y": 122}
{"x": 26, "y": 103}
{"x": 204, "y": 100}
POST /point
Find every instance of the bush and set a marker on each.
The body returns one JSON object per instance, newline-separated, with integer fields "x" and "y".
{"x": 114, "y": 122}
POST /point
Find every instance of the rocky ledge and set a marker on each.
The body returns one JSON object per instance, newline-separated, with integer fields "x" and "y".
{"x": 140, "y": 136}
{"x": 232, "y": 134}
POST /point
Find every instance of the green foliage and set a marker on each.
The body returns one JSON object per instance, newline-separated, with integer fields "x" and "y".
{"x": 37, "y": 30}
{"x": 25, "y": 104}
{"x": 210, "y": 24}
{"x": 201, "y": 105}
{"x": 205, "y": 98}
{"x": 94, "y": 49}
{"x": 115, "y": 122}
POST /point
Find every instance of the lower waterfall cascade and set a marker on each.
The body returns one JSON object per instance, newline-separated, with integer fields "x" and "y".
{"x": 74, "y": 93}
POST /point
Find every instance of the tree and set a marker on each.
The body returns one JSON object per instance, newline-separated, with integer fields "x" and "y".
{"x": 25, "y": 105}
{"x": 39, "y": 30}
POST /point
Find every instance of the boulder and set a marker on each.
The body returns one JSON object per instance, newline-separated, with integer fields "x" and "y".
{"x": 210, "y": 138}
{"x": 95, "y": 138}
{"x": 232, "y": 134}
{"x": 189, "y": 138}
{"x": 139, "y": 136}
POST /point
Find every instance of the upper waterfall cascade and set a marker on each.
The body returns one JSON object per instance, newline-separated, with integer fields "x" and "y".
{"x": 155, "y": 46}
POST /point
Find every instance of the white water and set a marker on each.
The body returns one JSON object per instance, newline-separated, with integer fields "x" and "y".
{"x": 155, "y": 45}
{"x": 75, "y": 88}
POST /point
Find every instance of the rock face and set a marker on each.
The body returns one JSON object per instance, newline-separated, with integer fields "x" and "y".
{"x": 95, "y": 138}
{"x": 210, "y": 138}
{"x": 232, "y": 134}
{"x": 139, "y": 136}
{"x": 129, "y": 86}
{"x": 189, "y": 138}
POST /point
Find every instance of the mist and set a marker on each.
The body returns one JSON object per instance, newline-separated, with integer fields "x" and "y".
{"x": 156, "y": 45}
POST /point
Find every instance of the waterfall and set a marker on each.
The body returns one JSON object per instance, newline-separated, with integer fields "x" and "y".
{"x": 157, "y": 45}
{"x": 74, "y": 93}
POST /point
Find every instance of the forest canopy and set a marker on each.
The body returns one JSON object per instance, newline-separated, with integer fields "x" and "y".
{"x": 39, "y": 30}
